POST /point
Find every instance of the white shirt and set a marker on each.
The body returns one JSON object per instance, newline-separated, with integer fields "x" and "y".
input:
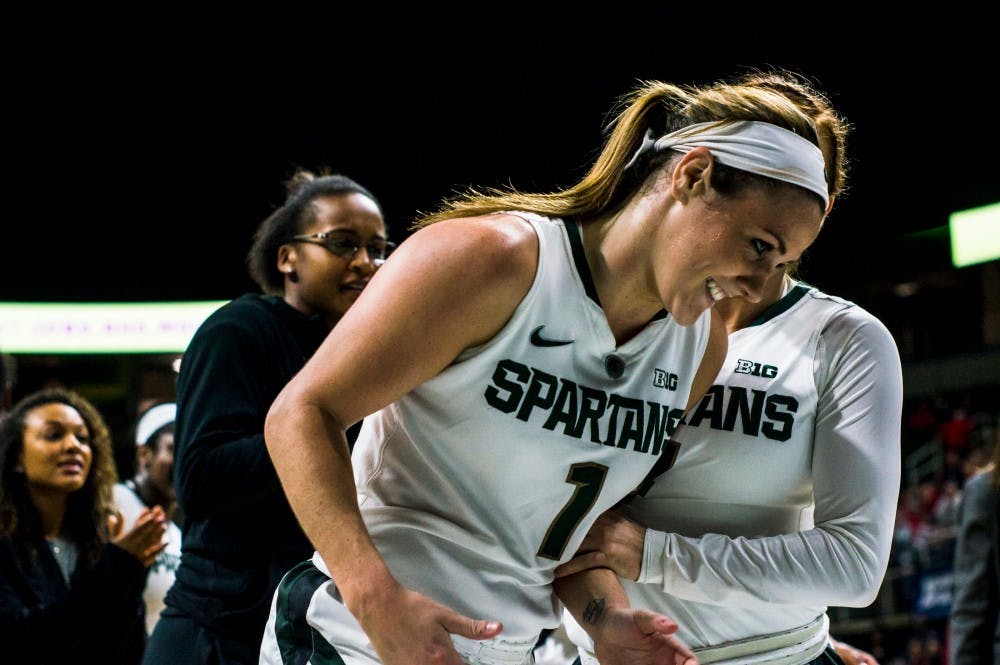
{"x": 161, "y": 573}
{"x": 782, "y": 499}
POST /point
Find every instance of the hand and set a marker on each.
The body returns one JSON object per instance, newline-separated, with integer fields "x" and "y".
{"x": 630, "y": 636}
{"x": 853, "y": 655}
{"x": 144, "y": 540}
{"x": 614, "y": 542}
{"x": 408, "y": 628}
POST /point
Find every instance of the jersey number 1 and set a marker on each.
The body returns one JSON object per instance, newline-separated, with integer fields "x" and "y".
{"x": 589, "y": 479}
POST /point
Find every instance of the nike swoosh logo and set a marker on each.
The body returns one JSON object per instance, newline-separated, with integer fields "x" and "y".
{"x": 538, "y": 340}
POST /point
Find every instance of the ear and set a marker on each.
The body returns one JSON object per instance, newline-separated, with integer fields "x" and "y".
{"x": 829, "y": 207}
{"x": 690, "y": 177}
{"x": 286, "y": 259}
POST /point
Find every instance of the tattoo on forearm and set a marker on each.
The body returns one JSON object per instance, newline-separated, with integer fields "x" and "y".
{"x": 592, "y": 613}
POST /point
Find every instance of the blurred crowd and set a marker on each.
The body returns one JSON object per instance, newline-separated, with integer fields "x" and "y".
{"x": 947, "y": 439}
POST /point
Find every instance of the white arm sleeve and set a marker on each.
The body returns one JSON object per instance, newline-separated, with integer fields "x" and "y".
{"x": 856, "y": 476}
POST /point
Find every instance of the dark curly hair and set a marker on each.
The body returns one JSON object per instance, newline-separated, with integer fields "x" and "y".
{"x": 292, "y": 218}
{"x": 88, "y": 509}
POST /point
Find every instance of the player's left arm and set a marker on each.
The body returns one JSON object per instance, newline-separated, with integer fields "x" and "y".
{"x": 856, "y": 463}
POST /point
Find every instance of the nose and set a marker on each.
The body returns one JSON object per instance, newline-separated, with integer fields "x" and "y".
{"x": 753, "y": 289}
{"x": 752, "y": 285}
{"x": 362, "y": 260}
{"x": 71, "y": 442}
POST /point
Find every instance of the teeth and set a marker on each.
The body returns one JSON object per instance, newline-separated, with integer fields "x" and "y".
{"x": 714, "y": 289}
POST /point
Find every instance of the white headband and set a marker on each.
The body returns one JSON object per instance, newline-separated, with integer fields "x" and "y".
{"x": 157, "y": 417}
{"x": 750, "y": 145}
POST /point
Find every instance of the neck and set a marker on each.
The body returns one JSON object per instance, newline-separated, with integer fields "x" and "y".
{"x": 292, "y": 298}
{"x": 738, "y": 313}
{"x": 52, "y": 508}
{"x": 627, "y": 300}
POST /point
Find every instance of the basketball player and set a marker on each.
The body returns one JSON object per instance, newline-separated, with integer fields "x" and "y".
{"x": 526, "y": 358}
{"x": 783, "y": 497}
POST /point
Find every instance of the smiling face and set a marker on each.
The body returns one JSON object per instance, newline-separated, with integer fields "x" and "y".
{"x": 56, "y": 455}
{"x": 717, "y": 246}
{"x": 325, "y": 283}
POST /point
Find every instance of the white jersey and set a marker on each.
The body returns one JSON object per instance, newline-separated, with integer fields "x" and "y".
{"x": 161, "y": 573}
{"x": 478, "y": 483}
{"x": 783, "y": 495}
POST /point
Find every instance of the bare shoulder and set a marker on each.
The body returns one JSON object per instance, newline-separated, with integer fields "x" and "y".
{"x": 463, "y": 276}
{"x": 487, "y": 239}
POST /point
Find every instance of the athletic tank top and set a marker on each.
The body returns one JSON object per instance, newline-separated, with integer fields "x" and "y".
{"x": 739, "y": 500}
{"x": 478, "y": 483}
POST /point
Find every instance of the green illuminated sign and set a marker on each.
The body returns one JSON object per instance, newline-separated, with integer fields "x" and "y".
{"x": 101, "y": 327}
{"x": 975, "y": 235}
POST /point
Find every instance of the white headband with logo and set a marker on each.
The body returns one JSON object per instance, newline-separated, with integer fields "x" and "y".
{"x": 753, "y": 146}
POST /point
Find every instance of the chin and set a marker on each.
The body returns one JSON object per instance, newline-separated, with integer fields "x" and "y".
{"x": 688, "y": 315}
{"x": 685, "y": 322}
{"x": 348, "y": 299}
{"x": 71, "y": 487}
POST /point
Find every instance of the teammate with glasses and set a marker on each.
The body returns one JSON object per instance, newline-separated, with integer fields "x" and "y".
{"x": 240, "y": 535}
{"x": 347, "y": 245}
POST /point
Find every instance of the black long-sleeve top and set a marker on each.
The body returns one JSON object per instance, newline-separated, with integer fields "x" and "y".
{"x": 240, "y": 535}
{"x": 99, "y": 617}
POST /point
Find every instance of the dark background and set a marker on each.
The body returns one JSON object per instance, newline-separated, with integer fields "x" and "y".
{"x": 145, "y": 144}
{"x": 144, "y": 156}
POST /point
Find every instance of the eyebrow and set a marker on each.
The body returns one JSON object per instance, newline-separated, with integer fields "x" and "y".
{"x": 782, "y": 248}
{"x": 352, "y": 234}
{"x": 64, "y": 423}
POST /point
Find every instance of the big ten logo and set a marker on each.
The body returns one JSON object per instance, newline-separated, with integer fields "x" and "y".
{"x": 756, "y": 369}
{"x": 665, "y": 380}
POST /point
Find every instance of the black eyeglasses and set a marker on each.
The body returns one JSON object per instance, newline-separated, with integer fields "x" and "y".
{"x": 347, "y": 246}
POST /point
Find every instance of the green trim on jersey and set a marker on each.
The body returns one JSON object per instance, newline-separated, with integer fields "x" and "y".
{"x": 583, "y": 269}
{"x": 298, "y": 642}
{"x": 580, "y": 260}
{"x": 782, "y": 306}
{"x": 828, "y": 657}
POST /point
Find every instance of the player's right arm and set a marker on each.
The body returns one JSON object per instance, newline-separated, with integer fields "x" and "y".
{"x": 622, "y": 635}
{"x": 450, "y": 286}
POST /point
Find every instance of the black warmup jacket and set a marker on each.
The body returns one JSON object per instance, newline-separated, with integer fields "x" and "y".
{"x": 239, "y": 535}
{"x": 98, "y": 618}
